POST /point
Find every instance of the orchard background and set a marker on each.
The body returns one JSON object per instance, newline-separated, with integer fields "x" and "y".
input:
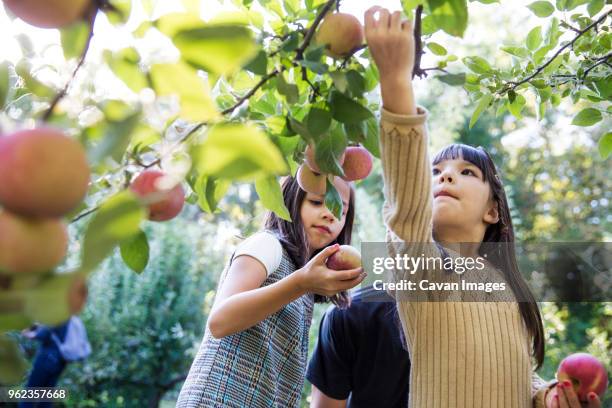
{"x": 224, "y": 98}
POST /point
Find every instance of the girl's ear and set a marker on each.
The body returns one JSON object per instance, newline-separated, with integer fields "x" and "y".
{"x": 492, "y": 214}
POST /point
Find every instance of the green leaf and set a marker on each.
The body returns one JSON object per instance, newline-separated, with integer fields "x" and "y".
{"x": 346, "y": 110}
{"x": 269, "y": 192}
{"x": 516, "y": 51}
{"x": 429, "y": 26}
{"x": 483, "y": 103}
{"x": 23, "y": 69}
{"x": 328, "y": 150}
{"x": 316, "y": 67}
{"x": 595, "y": 7}
{"x": 553, "y": 33}
{"x": 239, "y": 151}
{"x": 42, "y": 301}
{"x": 485, "y": 1}
{"x": 259, "y": 64}
{"x": 477, "y": 64}
{"x": 291, "y": 43}
{"x": 452, "y": 79}
{"x": 117, "y": 219}
{"x": 289, "y": 91}
{"x": 436, "y": 48}
{"x": 605, "y": 145}
{"x": 116, "y": 136}
{"x": 314, "y": 52}
{"x": 4, "y": 82}
{"x": 221, "y": 49}
{"x": 124, "y": 64}
{"x": 356, "y": 83}
{"x": 371, "y": 139}
{"x": 333, "y": 201}
{"x": 339, "y": 79}
{"x": 14, "y": 366}
{"x": 318, "y": 121}
{"x": 181, "y": 80}
{"x": 73, "y": 38}
{"x": 511, "y": 96}
{"x": 516, "y": 106}
{"x": 13, "y": 321}
{"x": 534, "y": 38}
{"x": 604, "y": 87}
{"x": 210, "y": 191}
{"x": 587, "y": 117}
{"x": 541, "y": 8}
{"x": 355, "y": 132}
{"x": 301, "y": 129}
{"x": 409, "y": 5}
{"x": 135, "y": 251}
{"x": 120, "y": 13}
{"x": 450, "y": 15}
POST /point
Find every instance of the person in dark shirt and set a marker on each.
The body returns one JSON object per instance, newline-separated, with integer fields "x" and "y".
{"x": 360, "y": 359}
{"x": 48, "y": 363}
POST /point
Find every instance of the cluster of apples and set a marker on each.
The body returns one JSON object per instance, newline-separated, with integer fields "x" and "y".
{"x": 44, "y": 175}
{"x": 49, "y": 13}
{"x": 356, "y": 163}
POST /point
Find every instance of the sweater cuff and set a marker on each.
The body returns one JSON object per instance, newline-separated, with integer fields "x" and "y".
{"x": 398, "y": 119}
{"x": 539, "y": 399}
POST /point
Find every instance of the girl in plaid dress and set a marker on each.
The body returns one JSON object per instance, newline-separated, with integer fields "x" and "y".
{"x": 255, "y": 347}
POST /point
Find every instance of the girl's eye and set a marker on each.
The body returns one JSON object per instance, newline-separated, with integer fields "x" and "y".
{"x": 469, "y": 171}
{"x": 435, "y": 171}
{"x": 316, "y": 202}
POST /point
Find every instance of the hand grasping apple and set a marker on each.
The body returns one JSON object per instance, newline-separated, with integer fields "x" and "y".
{"x": 582, "y": 380}
{"x": 318, "y": 275}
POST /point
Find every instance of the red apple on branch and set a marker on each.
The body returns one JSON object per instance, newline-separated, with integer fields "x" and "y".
{"x": 48, "y": 13}
{"x": 43, "y": 173}
{"x": 310, "y": 181}
{"x": 357, "y": 163}
{"x": 586, "y": 373}
{"x": 342, "y": 33}
{"x": 31, "y": 245}
{"x": 163, "y": 202}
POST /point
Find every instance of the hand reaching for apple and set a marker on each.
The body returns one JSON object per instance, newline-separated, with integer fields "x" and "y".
{"x": 391, "y": 44}
{"x": 317, "y": 277}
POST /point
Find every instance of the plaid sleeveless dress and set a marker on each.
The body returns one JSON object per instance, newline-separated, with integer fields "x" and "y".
{"x": 261, "y": 367}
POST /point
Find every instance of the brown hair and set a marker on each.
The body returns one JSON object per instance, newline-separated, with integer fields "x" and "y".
{"x": 293, "y": 236}
{"x": 504, "y": 256}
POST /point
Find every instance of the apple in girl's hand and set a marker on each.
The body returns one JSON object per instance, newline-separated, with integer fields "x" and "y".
{"x": 586, "y": 373}
{"x": 347, "y": 257}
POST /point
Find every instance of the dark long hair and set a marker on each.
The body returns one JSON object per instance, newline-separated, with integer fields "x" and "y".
{"x": 502, "y": 257}
{"x": 293, "y": 236}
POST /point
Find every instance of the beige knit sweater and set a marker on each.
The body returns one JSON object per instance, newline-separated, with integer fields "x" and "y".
{"x": 463, "y": 354}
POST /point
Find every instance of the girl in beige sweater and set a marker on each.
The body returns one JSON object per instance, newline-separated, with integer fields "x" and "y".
{"x": 468, "y": 354}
